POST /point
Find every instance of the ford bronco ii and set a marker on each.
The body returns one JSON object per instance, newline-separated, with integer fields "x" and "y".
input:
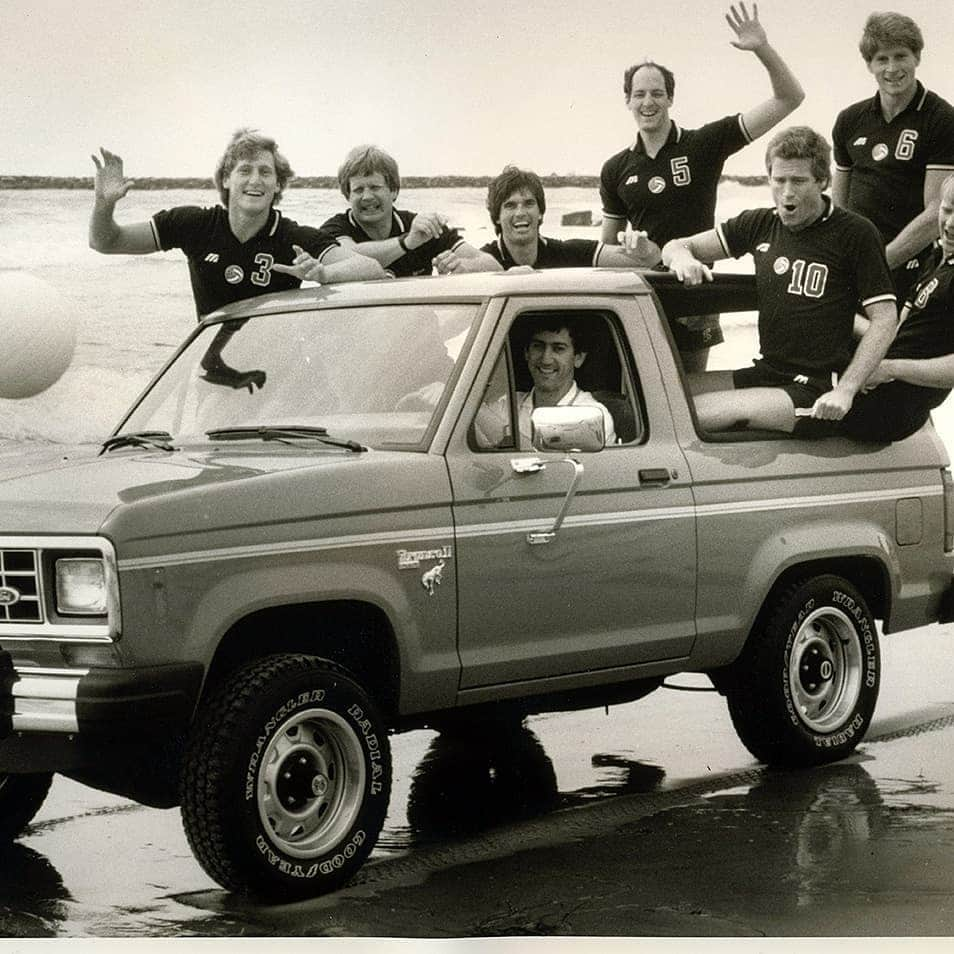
{"x": 299, "y": 540}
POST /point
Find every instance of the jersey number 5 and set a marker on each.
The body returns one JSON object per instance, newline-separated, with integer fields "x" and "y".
{"x": 680, "y": 171}
{"x": 263, "y": 275}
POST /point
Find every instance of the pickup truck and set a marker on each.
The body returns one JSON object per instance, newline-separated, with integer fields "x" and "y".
{"x": 299, "y": 540}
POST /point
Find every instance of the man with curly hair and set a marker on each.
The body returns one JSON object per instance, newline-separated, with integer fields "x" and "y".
{"x": 237, "y": 249}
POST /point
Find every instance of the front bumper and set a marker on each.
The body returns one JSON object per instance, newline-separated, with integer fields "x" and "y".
{"x": 53, "y": 709}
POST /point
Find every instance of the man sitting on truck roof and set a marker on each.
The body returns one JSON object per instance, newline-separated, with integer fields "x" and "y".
{"x": 813, "y": 264}
{"x": 554, "y": 351}
{"x": 516, "y": 203}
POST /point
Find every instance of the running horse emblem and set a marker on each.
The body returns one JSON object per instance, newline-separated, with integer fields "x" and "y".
{"x": 433, "y": 578}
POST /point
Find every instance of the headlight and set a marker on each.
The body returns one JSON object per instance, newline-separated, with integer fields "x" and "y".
{"x": 81, "y": 587}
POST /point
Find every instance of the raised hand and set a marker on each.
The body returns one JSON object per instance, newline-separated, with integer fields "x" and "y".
{"x": 109, "y": 183}
{"x": 749, "y": 32}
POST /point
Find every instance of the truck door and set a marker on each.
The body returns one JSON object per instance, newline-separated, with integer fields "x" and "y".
{"x": 615, "y": 585}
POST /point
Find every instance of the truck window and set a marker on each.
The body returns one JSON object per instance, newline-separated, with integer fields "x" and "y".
{"x": 604, "y": 375}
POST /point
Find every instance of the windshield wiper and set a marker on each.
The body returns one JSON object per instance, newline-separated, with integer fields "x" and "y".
{"x": 283, "y": 433}
{"x": 158, "y": 439}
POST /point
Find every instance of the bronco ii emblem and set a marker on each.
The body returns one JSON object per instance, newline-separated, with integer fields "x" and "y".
{"x": 411, "y": 559}
{"x": 9, "y": 596}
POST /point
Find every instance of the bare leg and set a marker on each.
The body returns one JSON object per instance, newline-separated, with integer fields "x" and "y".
{"x": 769, "y": 408}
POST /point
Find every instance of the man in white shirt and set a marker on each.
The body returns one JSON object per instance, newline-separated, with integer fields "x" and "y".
{"x": 553, "y": 355}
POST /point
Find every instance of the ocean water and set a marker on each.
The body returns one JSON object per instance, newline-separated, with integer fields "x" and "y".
{"x": 132, "y": 311}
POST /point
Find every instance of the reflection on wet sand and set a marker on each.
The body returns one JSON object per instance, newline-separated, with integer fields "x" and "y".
{"x": 31, "y": 894}
{"x": 471, "y": 779}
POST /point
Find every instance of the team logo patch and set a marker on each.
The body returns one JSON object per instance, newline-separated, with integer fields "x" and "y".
{"x": 234, "y": 274}
{"x": 657, "y": 184}
{"x": 879, "y": 152}
{"x": 763, "y": 246}
{"x": 632, "y": 180}
{"x": 860, "y": 141}
{"x": 781, "y": 265}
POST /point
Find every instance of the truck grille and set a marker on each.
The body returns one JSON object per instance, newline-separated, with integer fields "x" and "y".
{"x": 20, "y": 587}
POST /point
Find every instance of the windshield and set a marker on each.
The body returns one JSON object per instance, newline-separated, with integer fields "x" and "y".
{"x": 373, "y": 375}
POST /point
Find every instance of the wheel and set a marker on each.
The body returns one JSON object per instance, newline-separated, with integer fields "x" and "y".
{"x": 286, "y": 779}
{"x": 809, "y": 678}
{"x": 20, "y": 799}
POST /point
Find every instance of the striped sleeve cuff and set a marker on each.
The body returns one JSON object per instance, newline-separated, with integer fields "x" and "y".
{"x": 876, "y": 298}
{"x": 745, "y": 131}
{"x": 722, "y": 241}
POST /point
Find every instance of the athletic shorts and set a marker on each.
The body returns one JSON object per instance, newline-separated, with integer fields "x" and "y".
{"x": 890, "y": 412}
{"x": 696, "y": 332}
{"x": 803, "y": 389}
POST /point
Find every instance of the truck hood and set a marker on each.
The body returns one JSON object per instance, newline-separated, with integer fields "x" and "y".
{"x": 78, "y": 492}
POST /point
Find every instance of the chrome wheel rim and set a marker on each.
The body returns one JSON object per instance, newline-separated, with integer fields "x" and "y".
{"x": 826, "y": 670}
{"x": 311, "y": 783}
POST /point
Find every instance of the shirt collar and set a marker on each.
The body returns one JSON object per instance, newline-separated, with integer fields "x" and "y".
{"x": 567, "y": 398}
{"x": 397, "y": 226}
{"x": 920, "y": 94}
{"x": 675, "y": 135}
{"x": 505, "y": 255}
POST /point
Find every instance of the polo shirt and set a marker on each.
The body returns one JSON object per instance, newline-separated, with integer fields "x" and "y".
{"x": 928, "y": 329}
{"x": 810, "y": 283}
{"x": 674, "y": 193}
{"x": 417, "y": 261}
{"x": 888, "y": 160}
{"x": 551, "y": 253}
{"x": 223, "y": 269}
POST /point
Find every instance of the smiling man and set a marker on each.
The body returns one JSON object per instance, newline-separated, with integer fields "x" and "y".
{"x": 405, "y": 243}
{"x": 516, "y": 202}
{"x": 893, "y": 152}
{"x": 813, "y": 264}
{"x": 665, "y": 183}
{"x": 235, "y": 250}
{"x": 555, "y": 350}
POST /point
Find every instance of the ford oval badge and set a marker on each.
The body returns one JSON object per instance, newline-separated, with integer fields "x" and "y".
{"x": 9, "y": 596}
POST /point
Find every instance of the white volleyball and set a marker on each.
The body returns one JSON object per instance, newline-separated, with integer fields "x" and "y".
{"x": 37, "y": 334}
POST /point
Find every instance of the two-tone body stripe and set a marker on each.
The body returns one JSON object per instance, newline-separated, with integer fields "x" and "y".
{"x": 402, "y": 538}
{"x": 392, "y": 537}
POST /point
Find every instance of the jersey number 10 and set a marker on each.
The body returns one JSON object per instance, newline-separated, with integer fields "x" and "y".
{"x": 808, "y": 279}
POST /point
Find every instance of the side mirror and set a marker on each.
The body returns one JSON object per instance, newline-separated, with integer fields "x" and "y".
{"x": 568, "y": 428}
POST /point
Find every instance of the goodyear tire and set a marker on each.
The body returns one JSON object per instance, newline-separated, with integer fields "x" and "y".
{"x": 809, "y": 678}
{"x": 286, "y": 779}
{"x": 20, "y": 799}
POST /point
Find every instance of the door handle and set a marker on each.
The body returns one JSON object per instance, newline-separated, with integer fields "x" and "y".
{"x": 654, "y": 475}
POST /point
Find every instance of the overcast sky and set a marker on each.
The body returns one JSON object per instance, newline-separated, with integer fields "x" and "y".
{"x": 445, "y": 86}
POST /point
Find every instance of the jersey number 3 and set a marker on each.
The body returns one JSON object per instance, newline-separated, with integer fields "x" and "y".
{"x": 263, "y": 275}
